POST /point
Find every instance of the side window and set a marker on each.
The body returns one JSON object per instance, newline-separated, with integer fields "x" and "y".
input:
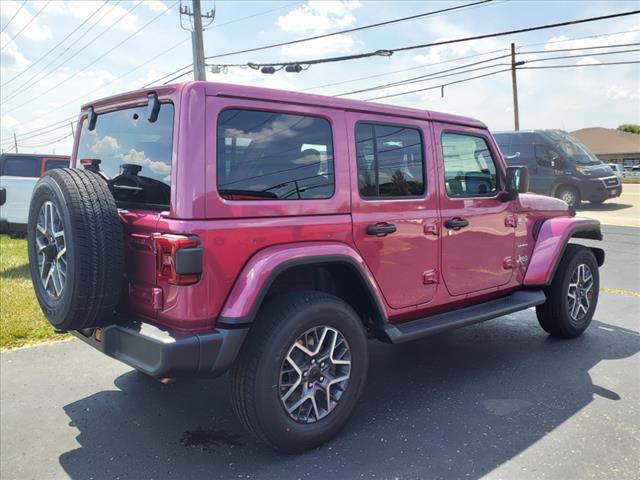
{"x": 269, "y": 156}
{"x": 543, "y": 155}
{"x": 469, "y": 167}
{"x": 51, "y": 164}
{"x": 22, "y": 167}
{"x": 390, "y": 161}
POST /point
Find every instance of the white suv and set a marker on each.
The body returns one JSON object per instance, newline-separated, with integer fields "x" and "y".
{"x": 18, "y": 175}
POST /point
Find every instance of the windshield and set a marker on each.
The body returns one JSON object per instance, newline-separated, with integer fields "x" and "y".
{"x": 132, "y": 153}
{"x": 572, "y": 148}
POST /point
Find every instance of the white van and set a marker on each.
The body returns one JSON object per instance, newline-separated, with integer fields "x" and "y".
{"x": 18, "y": 175}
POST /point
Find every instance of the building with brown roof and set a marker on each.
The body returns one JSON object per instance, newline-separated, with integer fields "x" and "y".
{"x": 610, "y": 145}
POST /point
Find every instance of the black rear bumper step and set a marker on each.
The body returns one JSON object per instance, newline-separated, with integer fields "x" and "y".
{"x": 164, "y": 353}
{"x": 514, "y": 302}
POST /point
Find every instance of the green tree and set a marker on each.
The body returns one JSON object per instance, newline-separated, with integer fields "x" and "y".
{"x": 630, "y": 128}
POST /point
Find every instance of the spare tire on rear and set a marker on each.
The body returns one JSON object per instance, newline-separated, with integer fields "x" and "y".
{"x": 75, "y": 243}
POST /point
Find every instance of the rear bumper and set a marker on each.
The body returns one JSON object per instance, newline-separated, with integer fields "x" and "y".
{"x": 163, "y": 353}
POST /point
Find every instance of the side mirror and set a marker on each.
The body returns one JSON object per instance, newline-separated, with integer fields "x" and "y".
{"x": 517, "y": 182}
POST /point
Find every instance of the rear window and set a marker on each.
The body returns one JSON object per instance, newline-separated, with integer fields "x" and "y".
{"x": 132, "y": 153}
{"x": 273, "y": 156}
{"x": 22, "y": 166}
{"x": 52, "y": 164}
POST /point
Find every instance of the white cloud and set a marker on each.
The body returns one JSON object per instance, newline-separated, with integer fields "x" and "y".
{"x": 586, "y": 61}
{"x": 34, "y": 30}
{"x": 155, "y": 5}
{"x": 319, "y": 16}
{"x": 137, "y": 157}
{"x": 105, "y": 144}
{"x": 110, "y": 15}
{"x": 8, "y": 121}
{"x": 97, "y": 78}
{"x": 322, "y": 46}
{"x": 617, "y": 92}
{"x": 10, "y": 56}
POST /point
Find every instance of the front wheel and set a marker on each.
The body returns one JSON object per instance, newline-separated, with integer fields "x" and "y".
{"x": 572, "y": 295}
{"x": 570, "y": 195}
{"x": 301, "y": 371}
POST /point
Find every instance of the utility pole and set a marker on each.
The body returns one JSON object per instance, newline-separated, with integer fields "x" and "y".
{"x": 15, "y": 142}
{"x": 197, "y": 43}
{"x": 514, "y": 86}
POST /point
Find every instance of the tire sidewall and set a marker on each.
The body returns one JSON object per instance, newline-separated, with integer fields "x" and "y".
{"x": 56, "y": 310}
{"x": 568, "y": 325}
{"x": 276, "y": 422}
{"x": 574, "y": 192}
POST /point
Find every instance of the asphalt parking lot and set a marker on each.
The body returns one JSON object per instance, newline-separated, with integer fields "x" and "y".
{"x": 495, "y": 400}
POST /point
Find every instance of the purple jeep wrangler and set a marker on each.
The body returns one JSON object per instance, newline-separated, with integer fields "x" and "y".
{"x": 207, "y": 228}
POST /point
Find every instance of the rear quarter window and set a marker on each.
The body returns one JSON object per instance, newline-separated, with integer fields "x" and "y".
{"x": 265, "y": 155}
{"x": 21, "y": 167}
{"x": 53, "y": 164}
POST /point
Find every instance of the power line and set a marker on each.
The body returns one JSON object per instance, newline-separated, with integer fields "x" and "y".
{"x": 582, "y": 55}
{"x": 53, "y": 48}
{"x": 580, "y": 66}
{"x": 138, "y": 67}
{"x": 157, "y": 80}
{"x": 26, "y": 25}
{"x": 620, "y": 45}
{"x": 460, "y": 70}
{"x": 350, "y": 30}
{"x": 13, "y": 16}
{"x": 393, "y": 72}
{"x": 388, "y": 52}
{"x": 439, "y": 86}
{"x": 4, "y": 140}
{"x": 497, "y": 72}
{"x": 33, "y": 80}
{"x": 422, "y": 77}
{"x": 289, "y": 5}
{"x": 565, "y": 40}
{"x": 97, "y": 59}
{"x": 179, "y": 76}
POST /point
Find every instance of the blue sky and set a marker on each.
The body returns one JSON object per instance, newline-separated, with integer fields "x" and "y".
{"x": 72, "y": 74}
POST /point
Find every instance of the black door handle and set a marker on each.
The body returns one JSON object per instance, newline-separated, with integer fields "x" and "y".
{"x": 381, "y": 229}
{"x": 456, "y": 223}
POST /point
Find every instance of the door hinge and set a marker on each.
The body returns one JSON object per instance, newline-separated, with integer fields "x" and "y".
{"x": 509, "y": 263}
{"x": 511, "y": 221}
{"x": 430, "y": 276}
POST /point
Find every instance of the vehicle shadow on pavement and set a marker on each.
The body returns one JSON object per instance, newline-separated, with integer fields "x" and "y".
{"x": 455, "y": 405}
{"x": 604, "y": 207}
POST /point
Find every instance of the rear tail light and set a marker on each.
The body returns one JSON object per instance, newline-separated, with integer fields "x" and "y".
{"x": 179, "y": 259}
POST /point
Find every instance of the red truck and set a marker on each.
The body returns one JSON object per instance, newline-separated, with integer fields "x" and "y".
{"x": 209, "y": 228}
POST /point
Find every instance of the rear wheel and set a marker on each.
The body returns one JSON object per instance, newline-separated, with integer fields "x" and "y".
{"x": 569, "y": 194}
{"x": 301, "y": 371}
{"x": 572, "y": 295}
{"x": 75, "y": 245}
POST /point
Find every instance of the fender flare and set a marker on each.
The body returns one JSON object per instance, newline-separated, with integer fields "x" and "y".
{"x": 259, "y": 273}
{"x": 551, "y": 242}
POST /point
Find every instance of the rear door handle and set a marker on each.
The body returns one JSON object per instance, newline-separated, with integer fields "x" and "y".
{"x": 381, "y": 229}
{"x": 456, "y": 223}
